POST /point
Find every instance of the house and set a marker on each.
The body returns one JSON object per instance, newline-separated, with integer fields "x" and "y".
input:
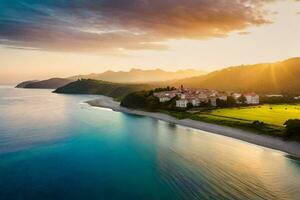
{"x": 224, "y": 98}
{"x": 202, "y": 96}
{"x": 165, "y": 96}
{"x": 252, "y": 98}
{"x": 164, "y": 99}
{"x": 236, "y": 95}
{"x": 213, "y": 101}
{"x": 182, "y": 96}
{"x": 198, "y": 96}
{"x": 297, "y": 98}
{"x": 195, "y": 102}
{"x": 182, "y": 103}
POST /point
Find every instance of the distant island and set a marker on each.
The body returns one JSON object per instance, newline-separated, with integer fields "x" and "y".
{"x": 25, "y": 83}
{"x": 52, "y": 83}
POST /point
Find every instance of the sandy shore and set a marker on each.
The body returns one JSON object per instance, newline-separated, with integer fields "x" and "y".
{"x": 290, "y": 147}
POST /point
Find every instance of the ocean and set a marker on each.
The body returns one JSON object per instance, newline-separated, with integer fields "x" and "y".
{"x": 54, "y": 146}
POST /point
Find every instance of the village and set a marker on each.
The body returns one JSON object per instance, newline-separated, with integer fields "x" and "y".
{"x": 197, "y": 97}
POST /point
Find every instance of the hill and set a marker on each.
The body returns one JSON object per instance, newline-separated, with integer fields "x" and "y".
{"x": 23, "y": 84}
{"x": 89, "y": 86}
{"x": 52, "y": 83}
{"x": 140, "y": 76}
{"x": 280, "y": 77}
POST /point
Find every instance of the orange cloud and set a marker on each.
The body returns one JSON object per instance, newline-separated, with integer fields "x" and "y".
{"x": 109, "y": 25}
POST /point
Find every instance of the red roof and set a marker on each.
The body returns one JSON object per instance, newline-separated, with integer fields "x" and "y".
{"x": 251, "y": 94}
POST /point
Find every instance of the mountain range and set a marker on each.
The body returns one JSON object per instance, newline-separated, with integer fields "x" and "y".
{"x": 140, "y": 76}
{"x": 267, "y": 78}
{"x": 277, "y": 78}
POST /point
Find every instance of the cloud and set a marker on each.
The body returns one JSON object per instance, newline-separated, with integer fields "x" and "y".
{"x": 244, "y": 33}
{"x": 109, "y": 25}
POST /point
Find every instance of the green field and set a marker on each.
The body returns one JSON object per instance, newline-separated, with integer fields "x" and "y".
{"x": 269, "y": 114}
{"x": 272, "y": 116}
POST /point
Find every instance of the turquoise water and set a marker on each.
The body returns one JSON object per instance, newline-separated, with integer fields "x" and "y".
{"x": 55, "y": 147}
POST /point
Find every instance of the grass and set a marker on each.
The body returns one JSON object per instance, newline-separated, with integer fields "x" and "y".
{"x": 272, "y": 116}
{"x": 267, "y": 129}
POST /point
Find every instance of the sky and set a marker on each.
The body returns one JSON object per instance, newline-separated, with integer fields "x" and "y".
{"x": 43, "y": 39}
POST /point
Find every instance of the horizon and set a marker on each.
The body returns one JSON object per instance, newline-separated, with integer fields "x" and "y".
{"x": 44, "y": 40}
{"x": 150, "y": 69}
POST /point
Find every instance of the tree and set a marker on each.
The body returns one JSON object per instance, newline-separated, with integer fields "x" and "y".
{"x": 190, "y": 105}
{"x": 135, "y": 100}
{"x": 292, "y": 128}
{"x": 221, "y": 103}
{"x": 171, "y": 105}
{"x": 204, "y": 104}
{"x": 168, "y": 88}
{"x": 152, "y": 103}
{"x": 231, "y": 101}
{"x": 278, "y": 99}
{"x": 242, "y": 99}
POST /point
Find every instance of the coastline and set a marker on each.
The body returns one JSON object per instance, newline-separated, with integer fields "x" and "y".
{"x": 290, "y": 147}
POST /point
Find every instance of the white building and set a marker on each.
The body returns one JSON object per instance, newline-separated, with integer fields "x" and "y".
{"x": 164, "y": 99}
{"x": 165, "y": 96}
{"x": 182, "y": 103}
{"x": 182, "y": 96}
{"x": 198, "y": 96}
{"x": 213, "y": 101}
{"x": 222, "y": 97}
{"x": 195, "y": 102}
{"x": 236, "y": 95}
{"x": 252, "y": 98}
{"x": 297, "y": 98}
{"x": 202, "y": 96}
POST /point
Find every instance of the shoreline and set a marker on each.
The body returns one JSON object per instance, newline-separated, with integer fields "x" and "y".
{"x": 289, "y": 147}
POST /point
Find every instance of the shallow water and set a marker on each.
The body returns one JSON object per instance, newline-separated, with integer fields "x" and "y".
{"x": 56, "y": 147}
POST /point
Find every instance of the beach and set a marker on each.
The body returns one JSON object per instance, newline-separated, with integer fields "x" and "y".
{"x": 290, "y": 147}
